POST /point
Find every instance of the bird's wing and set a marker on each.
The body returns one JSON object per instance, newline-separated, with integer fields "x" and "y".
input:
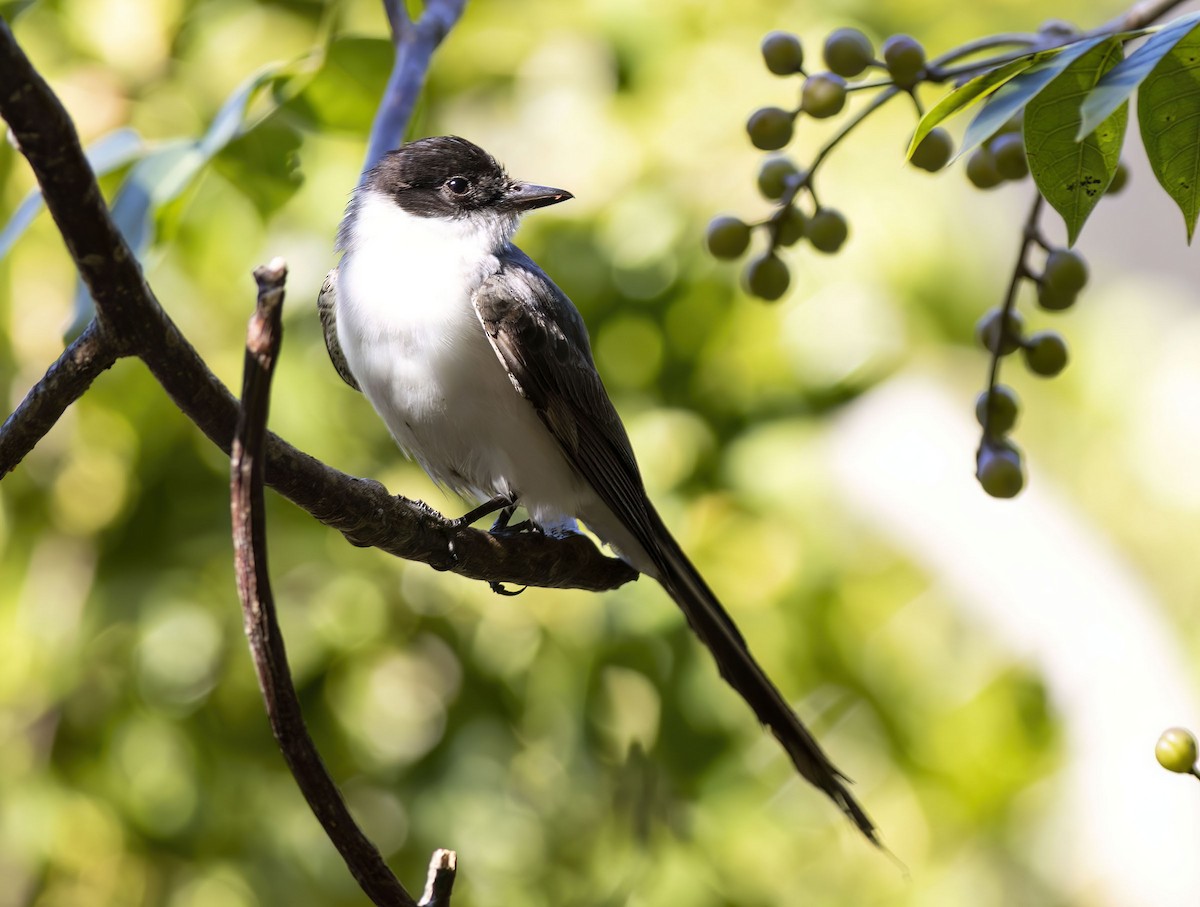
{"x": 327, "y": 310}
{"x": 542, "y": 343}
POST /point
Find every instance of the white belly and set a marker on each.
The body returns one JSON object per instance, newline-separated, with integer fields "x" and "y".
{"x": 423, "y": 360}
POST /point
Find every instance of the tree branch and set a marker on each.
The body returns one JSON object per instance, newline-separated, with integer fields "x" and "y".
{"x": 258, "y": 606}
{"x": 64, "y": 383}
{"x": 131, "y": 322}
{"x": 415, "y": 44}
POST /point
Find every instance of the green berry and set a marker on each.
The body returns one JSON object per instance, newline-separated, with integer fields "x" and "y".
{"x": 774, "y": 175}
{"x": 1052, "y": 299}
{"x": 905, "y": 59}
{"x": 1008, "y": 151}
{"x": 999, "y": 408}
{"x": 934, "y": 151}
{"x": 827, "y": 230}
{"x": 1046, "y": 354}
{"x": 792, "y": 226}
{"x": 848, "y": 52}
{"x": 767, "y": 277}
{"x": 1065, "y": 270}
{"x": 998, "y": 468}
{"x": 1119, "y": 178}
{"x": 996, "y": 341}
{"x": 782, "y": 53}
{"x": 981, "y": 169}
{"x": 770, "y": 128}
{"x": 1176, "y": 750}
{"x": 727, "y": 237}
{"x": 823, "y": 95}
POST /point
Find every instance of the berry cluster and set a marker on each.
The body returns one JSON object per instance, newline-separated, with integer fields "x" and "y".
{"x": 798, "y": 215}
{"x": 1001, "y": 332}
{"x": 848, "y": 53}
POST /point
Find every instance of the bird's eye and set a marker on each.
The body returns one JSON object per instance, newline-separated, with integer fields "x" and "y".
{"x": 457, "y": 185}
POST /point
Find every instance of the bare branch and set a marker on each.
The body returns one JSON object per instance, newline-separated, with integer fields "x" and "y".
{"x": 64, "y": 383}
{"x": 133, "y": 323}
{"x": 262, "y": 627}
{"x": 415, "y": 45}
{"x": 442, "y": 870}
{"x": 398, "y": 19}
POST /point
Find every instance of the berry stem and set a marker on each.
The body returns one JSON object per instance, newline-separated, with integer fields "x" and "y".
{"x": 878, "y": 101}
{"x": 1029, "y": 236}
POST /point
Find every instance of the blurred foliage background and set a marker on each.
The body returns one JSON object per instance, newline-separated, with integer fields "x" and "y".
{"x": 992, "y": 674}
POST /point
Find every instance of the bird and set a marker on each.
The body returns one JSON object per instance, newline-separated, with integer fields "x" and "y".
{"x": 481, "y": 368}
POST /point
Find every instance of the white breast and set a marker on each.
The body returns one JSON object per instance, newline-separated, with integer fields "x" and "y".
{"x": 413, "y": 341}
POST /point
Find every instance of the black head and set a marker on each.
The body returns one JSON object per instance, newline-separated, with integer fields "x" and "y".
{"x": 448, "y": 177}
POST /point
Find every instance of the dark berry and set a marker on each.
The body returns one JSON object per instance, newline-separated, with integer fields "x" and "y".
{"x": 934, "y": 151}
{"x": 727, "y": 237}
{"x": 981, "y": 169}
{"x": 848, "y": 52}
{"x": 782, "y": 53}
{"x": 823, "y": 95}
{"x": 770, "y": 128}
{"x": 1045, "y": 353}
{"x": 767, "y": 277}
{"x": 827, "y": 230}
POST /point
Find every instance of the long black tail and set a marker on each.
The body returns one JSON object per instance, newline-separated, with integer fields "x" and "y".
{"x": 709, "y": 620}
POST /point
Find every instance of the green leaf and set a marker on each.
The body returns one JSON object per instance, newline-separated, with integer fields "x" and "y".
{"x": 110, "y": 152}
{"x": 344, "y": 94}
{"x": 968, "y": 94}
{"x": 1169, "y": 119}
{"x": 1019, "y": 91}
{"x": 263, "y": 164}
{"x": 1119, "y": 83}
{"x": 1070, "y": 174}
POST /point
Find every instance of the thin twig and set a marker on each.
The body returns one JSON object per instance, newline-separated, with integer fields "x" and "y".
{"x": 262, "y": 627}
{"x": 64, "y": 383}
{"x": 415, "y": 44}
{"x": 1030, "y": 236}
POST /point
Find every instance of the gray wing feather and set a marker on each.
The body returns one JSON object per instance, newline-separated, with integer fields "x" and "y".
{"x": 327, "y": 310}
{"x": 542, "y": 342}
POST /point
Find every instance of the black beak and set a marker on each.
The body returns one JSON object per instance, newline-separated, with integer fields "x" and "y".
{"x": 526, "y": 196}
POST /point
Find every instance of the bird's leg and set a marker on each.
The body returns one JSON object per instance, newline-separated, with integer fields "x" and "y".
{"x": 499, "y": 502}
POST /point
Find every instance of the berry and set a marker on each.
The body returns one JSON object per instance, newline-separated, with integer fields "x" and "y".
{"x": 767, "y": 277}
{"x": 995, "y": 341}
{"x": 773, "y": 176}
{"x": 1176, "y": 750}
{"x": 792, "y": 226}
{"x": 905, "y": 59}
{"x": 782, "y": 53}
{"x": 1119, "y": 179}
{"x": 999, "y": 471}
{"x": 1052, "y": 299}
{"x": 1065, "y": 271}
{"x": 727, "y": 237}
{"x": 1008, "y": 151}
{"x": 934, "y": 151}
{"x": 1046, "y": 354}
{"x": 823, "y": 95}
{"x": 848, "y": 52}
{"x": 1000, "y": 407}
{"x": 770, "y": 128}
{"x": 827, "y": 230}
{"x": 981, "y": 169}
